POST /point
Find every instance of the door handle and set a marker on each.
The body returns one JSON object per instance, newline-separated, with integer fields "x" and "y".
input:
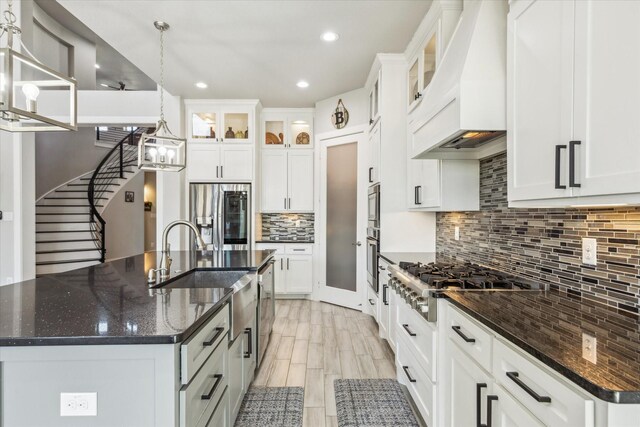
{"x": 490, "y": 400}
{"x": 370, "y": 171}
{"x": 221, "y": 172}
{"x": 287, "y": 263}
{"x": 289, "y": 202}
{"x": 479, "y": 388}
{"x": 559, "y": 148}
{"x": 384, "y": 294}
{"x": 281, "y": 260}
{"x": 249, "y": 351}
{"x": 572, "y": 164}
{"x": 356, "y": 244}
{"x": 216, "y": 171}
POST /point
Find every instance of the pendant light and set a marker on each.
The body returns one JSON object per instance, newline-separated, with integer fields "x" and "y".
{"x": 161, "y": 150}
{"x": 23, "y": 80}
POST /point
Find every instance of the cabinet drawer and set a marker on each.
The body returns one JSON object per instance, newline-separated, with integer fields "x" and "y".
{"x": 199, "y": 399}
{"x": 298, "y": 249}
{"x": 470, "y": 337}
{"x": 422, "y": 390}
{"x": 278, "y": 247}
{"x": 372, "y": 303}
{"x": 220, "y": 416}
{"x": 195, "y": 350}
{"x": 420, "y": 336}
{"x": 550, "y": 400}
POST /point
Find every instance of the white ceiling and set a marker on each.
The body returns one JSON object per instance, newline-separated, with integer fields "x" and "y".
{"x": 255, "y": 49}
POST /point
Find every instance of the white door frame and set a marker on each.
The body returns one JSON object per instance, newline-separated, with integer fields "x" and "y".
{"x": 349, "y": 299}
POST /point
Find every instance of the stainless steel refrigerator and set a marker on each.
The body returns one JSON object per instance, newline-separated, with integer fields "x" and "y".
{"x": 222, "y": 213}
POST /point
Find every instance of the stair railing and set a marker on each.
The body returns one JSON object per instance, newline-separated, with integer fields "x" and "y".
{"x": 111, "y": 168}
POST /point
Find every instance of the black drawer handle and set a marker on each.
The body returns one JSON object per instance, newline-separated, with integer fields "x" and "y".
{"x": 218, "y": 378}
{"x": 409, "y": 377}
{"x": 406, "y": 328}
{"x": 219, "y": 330}
{"x": 370, "y": 178}
{"x": 513, "y": 376}
{"x": 249, "y": 351}
{"x": 479, "y": 388}
{"x": 457, "y": 330}
{"x": 371, "y": 302}
{"x": 572, "y": 164}
{"x": 559, "y": 148}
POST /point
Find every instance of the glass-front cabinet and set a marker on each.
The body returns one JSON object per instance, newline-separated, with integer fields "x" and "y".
{"x": 374, "y": 101}
{"x": 287, "y": 128}
{"x": 422, "y": 67}
{"x": 219, "y": 123}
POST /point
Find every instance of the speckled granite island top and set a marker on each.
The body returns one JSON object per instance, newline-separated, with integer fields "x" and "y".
{"x": 111, "y": 303}
{"x": 549, "y": 326}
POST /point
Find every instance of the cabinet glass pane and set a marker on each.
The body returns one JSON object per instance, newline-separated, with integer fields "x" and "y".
{"x": 204, "y": 125}
{"x": 413, "y": 82}
{"x": 300, "y": 133}
{"x": 274, "y": 132}
{"x": 429, "y": 61}
{"x": 236, "y": 126}
{"x": 375, "y": 95}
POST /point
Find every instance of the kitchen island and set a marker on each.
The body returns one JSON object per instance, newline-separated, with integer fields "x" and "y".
{"x": 104, "y": 330}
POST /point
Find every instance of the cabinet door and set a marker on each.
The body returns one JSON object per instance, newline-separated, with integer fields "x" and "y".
{"x": 300, "y": 181}
{"x": 203, "y": 126}
{"x": 607, "y": 97}
{"x": 539, "y": 98}
{"x": 236, "y": 386}
{"x": 280, "y": 274}
{"x": 374, "y": 101}
{"x": 274, "y": 132}
{"x": 414, "y": 181}
{"x": 413, "y": 82}
{"x": 236, "y": 163}
{"x": 236, "y": 126}
{"x": 374, "y": 154}
{"x": 430, "y": 191}
{"x": 203, "y": 163}
{"x": 299, "y": 274}
{"x": 301, "y": 130}
{"x": 507, "y": 412}
{"x": 467, "y": 389}
{"x": 249, "y": 352}
{"x": 274, "y": 181}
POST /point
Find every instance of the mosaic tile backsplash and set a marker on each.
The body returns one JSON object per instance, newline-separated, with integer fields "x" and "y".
{"x": 288, "y": 226}
{"x": 546, "y": 244}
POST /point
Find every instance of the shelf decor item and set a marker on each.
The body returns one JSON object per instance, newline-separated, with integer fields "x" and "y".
{"x": 161, "y": 150}
{"x": 23, "y": 78}
{"x": 302, "y": 139}
{"x": 230, "y": 134}
{"x": 340, "y": 116}
{"x": 239, "y": 134}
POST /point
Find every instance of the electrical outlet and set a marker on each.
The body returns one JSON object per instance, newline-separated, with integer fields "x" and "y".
{"x": 589, "y": 344}
{"x": 78, "y": 404}
{"x": 456, "y": 233}
{"x": 589, "y": 251}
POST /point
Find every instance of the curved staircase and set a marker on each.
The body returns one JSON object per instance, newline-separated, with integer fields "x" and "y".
{"x": 70, "y": 232}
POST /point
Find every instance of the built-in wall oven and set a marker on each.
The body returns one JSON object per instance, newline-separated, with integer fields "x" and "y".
{"x": 374, "y": 207}
{"x": 373, "y": 250}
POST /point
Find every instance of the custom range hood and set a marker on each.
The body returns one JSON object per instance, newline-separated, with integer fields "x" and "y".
{"x": 463, "y": 113}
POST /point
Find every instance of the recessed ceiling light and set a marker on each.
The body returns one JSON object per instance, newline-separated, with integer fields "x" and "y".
{"x": 201, "y": 85}
{"x": 302, "y": 84}
{"x": 330, "y": 36}
{"x": 97, "y": 65}
{"x": 104, "y": 85}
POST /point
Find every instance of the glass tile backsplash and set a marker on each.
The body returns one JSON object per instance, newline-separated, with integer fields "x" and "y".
{"x": 289, "y": 226}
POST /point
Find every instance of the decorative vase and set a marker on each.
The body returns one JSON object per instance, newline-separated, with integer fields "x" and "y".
{"x": 246, "y": 133}
{"x": 230, "y": 134}
{"x": 239, "y": 134}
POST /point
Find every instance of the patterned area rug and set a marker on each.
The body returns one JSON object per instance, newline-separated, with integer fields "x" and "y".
{"x": 271, "y": 407}
{"x": 371, "y": 403}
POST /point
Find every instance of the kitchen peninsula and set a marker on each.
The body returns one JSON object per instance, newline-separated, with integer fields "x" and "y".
{"x": 82, "y": 331}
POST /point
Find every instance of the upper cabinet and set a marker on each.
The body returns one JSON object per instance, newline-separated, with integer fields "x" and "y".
{"x": 225, "y": 121}
{"x": 374, "y": 101}
{"x": 423, "y": 66}
{"x": 573, "y": 94}
{"x": 287, "y": 128}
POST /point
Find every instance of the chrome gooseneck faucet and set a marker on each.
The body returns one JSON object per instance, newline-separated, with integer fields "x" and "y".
{"x": 165, "y": 261}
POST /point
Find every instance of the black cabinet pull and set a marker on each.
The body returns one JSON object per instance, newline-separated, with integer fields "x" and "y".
{"x": 479, "y": 388}
{"x": 559, "y": 148}
{"x": 218, "y": 378}
{"x": 217, "y": 171}
{"x": 409, "y": 377}
{"x": 490, "y": 399}
{"x": 418, "y": 194}
{"x": 370, "y": 121}
{"x": 406, "y": 328}
{"x": 457, "y": 330}
{"x": 215, "y": 336}
{"x": 221, "y": 172}
{"x": 249, "y": 351}
{"x": 370, "y": 178}
{"x": 371, "y": 302}
{"x": 572, "y": 164}
{"x": 384, "y": 294}
{"x": 513, "y": 376}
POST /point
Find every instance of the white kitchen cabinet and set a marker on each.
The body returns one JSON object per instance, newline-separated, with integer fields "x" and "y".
{"x": 508, "y": 412}
{"x": 374, "y": 100}
{"x": 287, "y": 181}
{"x": 372, "y": 306}
{"x": 443, "y": 185}
{"x": 572, "y": 93}
{"x": 393, "y": 319}
{"x": 213, "y": 121}
{"x": 423, "y": 65}
{"x": 384, "y": 300}
{"x": 219, "y": 163}
{"x": 293, "y": 268}
{"x": 287, "y": 128}
{"x": 374, "y": 154}
{"x": 236, "y": 386}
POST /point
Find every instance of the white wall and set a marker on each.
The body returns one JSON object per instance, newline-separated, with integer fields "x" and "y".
{"x": 355, "y": 101}
{"x": 125, "y": 221}
{"x": 150, "y": 237}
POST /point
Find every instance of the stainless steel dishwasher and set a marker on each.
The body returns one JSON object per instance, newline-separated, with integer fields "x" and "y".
{"x": 266, "y": 307}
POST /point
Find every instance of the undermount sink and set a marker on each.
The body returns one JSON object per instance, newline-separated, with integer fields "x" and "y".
{"x": 206, "y": 279}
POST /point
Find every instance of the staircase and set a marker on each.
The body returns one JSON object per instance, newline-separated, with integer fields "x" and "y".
{"x": 70, "y": 231}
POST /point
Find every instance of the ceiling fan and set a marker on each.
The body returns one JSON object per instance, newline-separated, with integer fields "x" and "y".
{"x": 121, "y": 86}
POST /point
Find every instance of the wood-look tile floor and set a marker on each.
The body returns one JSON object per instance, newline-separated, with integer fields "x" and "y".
{"x": 314, "y": 343}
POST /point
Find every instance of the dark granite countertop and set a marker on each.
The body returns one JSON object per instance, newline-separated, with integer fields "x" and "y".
{"x": 111, "y": 303}
{"x": 549, "y": 326}
{"x": 283, "y": 241}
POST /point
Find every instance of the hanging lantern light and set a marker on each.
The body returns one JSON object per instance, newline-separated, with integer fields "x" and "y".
{"x": 161, "y": 150}
{"x": 31, "y": 93}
